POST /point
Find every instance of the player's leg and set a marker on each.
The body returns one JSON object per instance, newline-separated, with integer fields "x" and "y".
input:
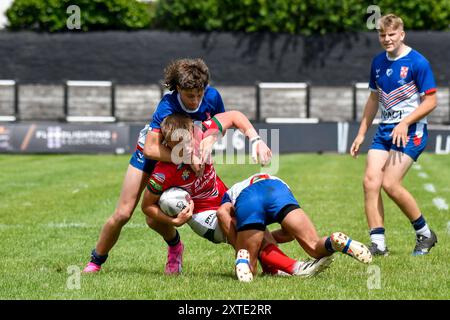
{"x": 175, "y": 247}
{"x": 272, "y": 258}
{"x": 279, "y": 203}
{"x": 282, "y": 236}
{"x": 169, "y": 233}
{"x": 396, "y": 169}
{"x": 133, "y": 184}
{"x": 373, "y": 202}
{"x": 248, "y": 243}
{"x": 227, "y": 223}
{"x": 299, "y": 226}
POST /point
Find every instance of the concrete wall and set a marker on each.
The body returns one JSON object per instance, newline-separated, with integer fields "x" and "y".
{"x": 136, "y": 103}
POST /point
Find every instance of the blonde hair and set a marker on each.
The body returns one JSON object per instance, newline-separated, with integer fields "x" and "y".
{"x": 390, "y": 21}
{"x": 177, "y": 127}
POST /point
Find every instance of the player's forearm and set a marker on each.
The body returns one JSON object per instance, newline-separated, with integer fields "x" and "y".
{"x": 241, "y": 122}
{"x": 156, "y": 214}
{"x": 158, "y": 153}
{"x": 370, "y": 111}
{"x": 154, "y": 149}
{"x": 425, "y": 108}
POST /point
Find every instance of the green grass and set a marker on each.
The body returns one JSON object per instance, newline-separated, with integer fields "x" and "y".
{"x": 53, "y": 207}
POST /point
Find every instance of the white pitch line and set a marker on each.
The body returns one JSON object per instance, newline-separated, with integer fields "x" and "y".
{"x": 417, "y": 167}
{"x": 423, "y": 175}
{"x": 60, "y": 225}
{"x": 63, "y": 225}
{"x": 440, "y": 203}
{"x": 429, "y": 187}
{"x": 9, "y": 226}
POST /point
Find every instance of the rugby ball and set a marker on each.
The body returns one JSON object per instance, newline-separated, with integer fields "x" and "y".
{"x": 173, "y": 201}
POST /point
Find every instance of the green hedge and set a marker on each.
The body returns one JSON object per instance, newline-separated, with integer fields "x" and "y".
{"x": 51, "y": 15}
{"x": 287, "y": 16}
{"x": 295, "y": 16}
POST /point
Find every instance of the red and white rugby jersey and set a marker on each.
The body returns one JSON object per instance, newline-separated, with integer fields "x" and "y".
{"x": 206, "y": 191}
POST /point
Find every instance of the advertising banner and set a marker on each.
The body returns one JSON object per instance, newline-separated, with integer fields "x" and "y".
{"x": 121, "y": 138}
{"x": 64, "y": 138}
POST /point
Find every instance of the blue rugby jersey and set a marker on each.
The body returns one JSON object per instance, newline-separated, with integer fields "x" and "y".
{"x": 171, "y": 103}
{"x": 400, "y": 83}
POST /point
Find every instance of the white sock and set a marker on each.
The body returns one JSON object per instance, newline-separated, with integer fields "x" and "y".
{"x": 378, "y": 239}
{"x": 425, "y": 231}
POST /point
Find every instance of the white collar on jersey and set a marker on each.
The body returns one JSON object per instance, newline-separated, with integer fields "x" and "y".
{"x": 184, "y": 107}
{"x": 404, "y": 53}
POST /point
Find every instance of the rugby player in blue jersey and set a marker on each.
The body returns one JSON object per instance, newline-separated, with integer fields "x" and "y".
{"x": 191, "y": 95}
{"x": 403, "y": 88}
{"x": 262, "y": 200}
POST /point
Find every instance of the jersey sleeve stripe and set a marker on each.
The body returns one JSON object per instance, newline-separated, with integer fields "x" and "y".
{"x": 218, "y": 124}
{"x": 154, "y": 187}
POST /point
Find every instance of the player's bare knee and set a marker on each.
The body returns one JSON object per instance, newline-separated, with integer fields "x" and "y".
{"x": 371, "y": 183}
{"x": 391, "y": 187}
{"x": 150, "y": 222}
{"x": 122, "y": 217}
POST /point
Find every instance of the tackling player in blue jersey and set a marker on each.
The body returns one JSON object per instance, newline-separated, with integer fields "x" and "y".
{"x": 263, "y": 199}
{"x": 403, "y": 88}
{"x": 188, "y": 80}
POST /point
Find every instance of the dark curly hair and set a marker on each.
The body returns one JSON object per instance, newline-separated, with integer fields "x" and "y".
{"x": 186, "y": 73}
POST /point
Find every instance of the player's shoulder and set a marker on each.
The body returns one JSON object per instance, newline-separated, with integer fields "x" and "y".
{"x": 211, "y": 93}
{"x": 379, "y": 58}
{"x": 166, "y": 107}
{"x": 168, "y": 101}
{"x": 417, "y": 58}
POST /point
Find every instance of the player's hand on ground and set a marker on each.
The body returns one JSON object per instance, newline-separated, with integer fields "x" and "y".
{"x": 354, "y": 149}
{"x": 400, "y": 135}
{"x": 185, "y": 215}
{"x": 262, "y": 154}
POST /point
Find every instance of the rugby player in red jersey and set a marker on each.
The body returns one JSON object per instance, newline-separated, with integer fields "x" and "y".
{"x": 183, "y": 137}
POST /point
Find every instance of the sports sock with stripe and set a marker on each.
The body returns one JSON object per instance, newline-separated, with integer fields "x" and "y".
{"x": 98, "y": 259}
{"x": 421, "y": 227}
{"x": 377, "y": 237}
{"x": 272, "y": 256}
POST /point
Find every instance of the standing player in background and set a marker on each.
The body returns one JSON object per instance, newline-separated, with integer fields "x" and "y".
{"x": 403, "y": 87}
{"x": 191, "y": 95}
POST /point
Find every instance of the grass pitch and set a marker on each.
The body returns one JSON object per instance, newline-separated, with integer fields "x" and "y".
{"x": 53, "y": 207}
